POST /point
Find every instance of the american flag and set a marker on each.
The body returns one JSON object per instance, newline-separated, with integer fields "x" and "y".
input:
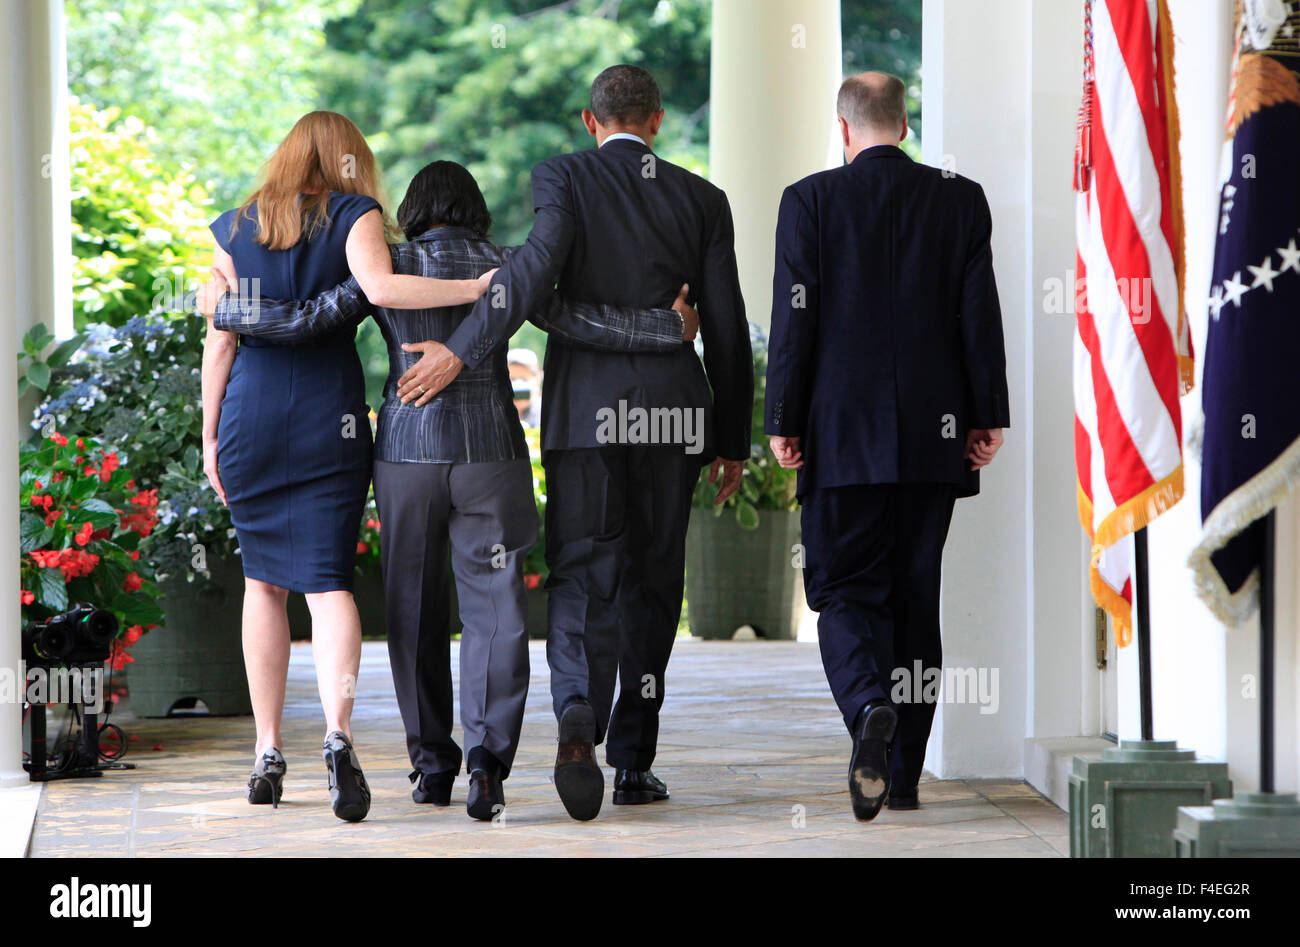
{"x": 1132, "y": 351}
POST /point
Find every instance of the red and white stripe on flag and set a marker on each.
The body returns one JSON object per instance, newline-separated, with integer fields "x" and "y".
{"x": 1132, "y": 353}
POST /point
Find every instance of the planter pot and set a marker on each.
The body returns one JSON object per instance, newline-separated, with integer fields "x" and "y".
{"x": 198, "y": 652}
{"x": 738, "y": 576}
{"x": 536, "y": 620}
{"x": 367, "y": 591}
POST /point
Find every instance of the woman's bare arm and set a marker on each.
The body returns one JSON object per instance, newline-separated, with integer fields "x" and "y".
{"x": 218, "y": 355}
{"x": 372, "y": 265}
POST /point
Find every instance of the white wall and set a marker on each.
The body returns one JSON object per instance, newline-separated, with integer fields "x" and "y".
{"x": 1187, "y": 642}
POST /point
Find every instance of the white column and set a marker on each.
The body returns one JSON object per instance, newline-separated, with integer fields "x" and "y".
{"x": 29, "y": 95}
{"x": 975, "y": 73}
{"x": 1000, "y": 85}
{"x": 1063, "y": 687}
{"x": 775, "y": 70}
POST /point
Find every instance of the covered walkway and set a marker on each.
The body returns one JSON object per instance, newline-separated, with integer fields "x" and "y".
{"x": 751, "y": 747}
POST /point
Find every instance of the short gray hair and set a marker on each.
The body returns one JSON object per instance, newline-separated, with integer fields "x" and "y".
{"x": 874, "y": 101}
{"x": 625, "y": 94}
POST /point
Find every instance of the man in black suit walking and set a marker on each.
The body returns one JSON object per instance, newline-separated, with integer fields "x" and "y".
{"x": 623, "y": 434}
{"x": 886, "y": 389}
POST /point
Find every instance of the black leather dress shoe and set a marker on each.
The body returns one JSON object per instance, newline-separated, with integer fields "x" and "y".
{"x": 578, "y": 777}
{"x": 903, "y": 799}
{"x": 869, "y": 765}
{"x": 433, "y": 787}
{"x": 487, "y": 797}
{"x": 635, "y": 787}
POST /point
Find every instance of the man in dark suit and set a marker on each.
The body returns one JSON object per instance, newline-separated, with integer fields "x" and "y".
{"x": 886, "y": 389}
{"x": 623, "y": 434}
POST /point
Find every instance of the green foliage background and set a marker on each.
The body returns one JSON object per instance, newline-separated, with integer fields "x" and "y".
{"x": 206, "y": 88}
{"x": 139, "y": 231}
{"x": 220, "y": 80}
{"x": 498, "y": 86}
{"x": 494, "y": 84}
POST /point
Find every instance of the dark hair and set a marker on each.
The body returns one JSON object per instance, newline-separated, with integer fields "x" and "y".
{"x": 874, "y": 100}
{"x": 627, "y": 94}
{"x": 443, "y": 192}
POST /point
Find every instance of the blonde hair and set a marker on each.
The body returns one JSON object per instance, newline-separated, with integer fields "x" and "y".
{"x": 323, "y": 152}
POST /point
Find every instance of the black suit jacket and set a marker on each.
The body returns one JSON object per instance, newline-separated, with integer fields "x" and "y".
{"x": 620, "y": 225}
{"x": 886, "y": 343}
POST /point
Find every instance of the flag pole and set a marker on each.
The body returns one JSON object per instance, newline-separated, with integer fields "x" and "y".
{"x": 1267, "y": 617}
{"x": 1142, "y": 630}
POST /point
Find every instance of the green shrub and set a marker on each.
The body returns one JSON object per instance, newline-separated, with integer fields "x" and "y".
{"x": 139, "y": 231}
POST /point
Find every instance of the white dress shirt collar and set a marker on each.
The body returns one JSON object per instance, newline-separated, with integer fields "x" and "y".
{"x": 617, "y": 136}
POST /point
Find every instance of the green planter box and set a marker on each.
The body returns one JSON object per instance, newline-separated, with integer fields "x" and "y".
{"x": 536, "y": 619}
{"x": 367, "y": 591}
{"x": 198, "y": 653}
{"x": 1251, "y": 825}
{"x": 738, "y": 576}
{"x": 1124, "y": 804}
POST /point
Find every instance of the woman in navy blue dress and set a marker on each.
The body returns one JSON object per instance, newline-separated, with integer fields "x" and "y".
{"x": 286, "y": 430}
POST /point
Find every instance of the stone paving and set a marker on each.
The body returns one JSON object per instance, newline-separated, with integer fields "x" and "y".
{"x": 751, "y": 747}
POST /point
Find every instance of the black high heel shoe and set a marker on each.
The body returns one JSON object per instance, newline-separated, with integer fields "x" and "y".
{"x": 349, "y": 793}
{"x": 266, "y": 785}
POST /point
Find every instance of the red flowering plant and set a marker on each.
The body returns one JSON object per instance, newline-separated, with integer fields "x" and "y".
{"x": 368, "y": 540}
{"x": 81, "y": 521}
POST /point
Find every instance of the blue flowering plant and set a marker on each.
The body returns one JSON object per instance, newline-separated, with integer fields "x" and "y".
{"x": 136, "y": 389}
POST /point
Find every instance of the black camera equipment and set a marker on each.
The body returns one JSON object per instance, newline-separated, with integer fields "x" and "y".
{"x": 79, "y": 639}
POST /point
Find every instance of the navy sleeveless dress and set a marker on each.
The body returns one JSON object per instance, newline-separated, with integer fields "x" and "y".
{"x": 293, "y": 443}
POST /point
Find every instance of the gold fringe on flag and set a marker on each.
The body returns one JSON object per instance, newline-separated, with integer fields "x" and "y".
{"x": 1165, "y": 44}
{"x": 1130, "y": 516}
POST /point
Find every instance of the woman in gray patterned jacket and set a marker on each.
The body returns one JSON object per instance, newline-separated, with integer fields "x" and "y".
{"x": 455, "y": 472}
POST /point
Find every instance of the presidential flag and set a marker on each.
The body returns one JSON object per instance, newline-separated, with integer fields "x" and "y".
{"x": 1251, "y": 386}
{"x": 1132, "y": 352}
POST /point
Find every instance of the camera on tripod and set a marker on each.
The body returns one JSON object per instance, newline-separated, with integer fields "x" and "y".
{"x": 81, "y": 636}
{"x": 80, "y": 640}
